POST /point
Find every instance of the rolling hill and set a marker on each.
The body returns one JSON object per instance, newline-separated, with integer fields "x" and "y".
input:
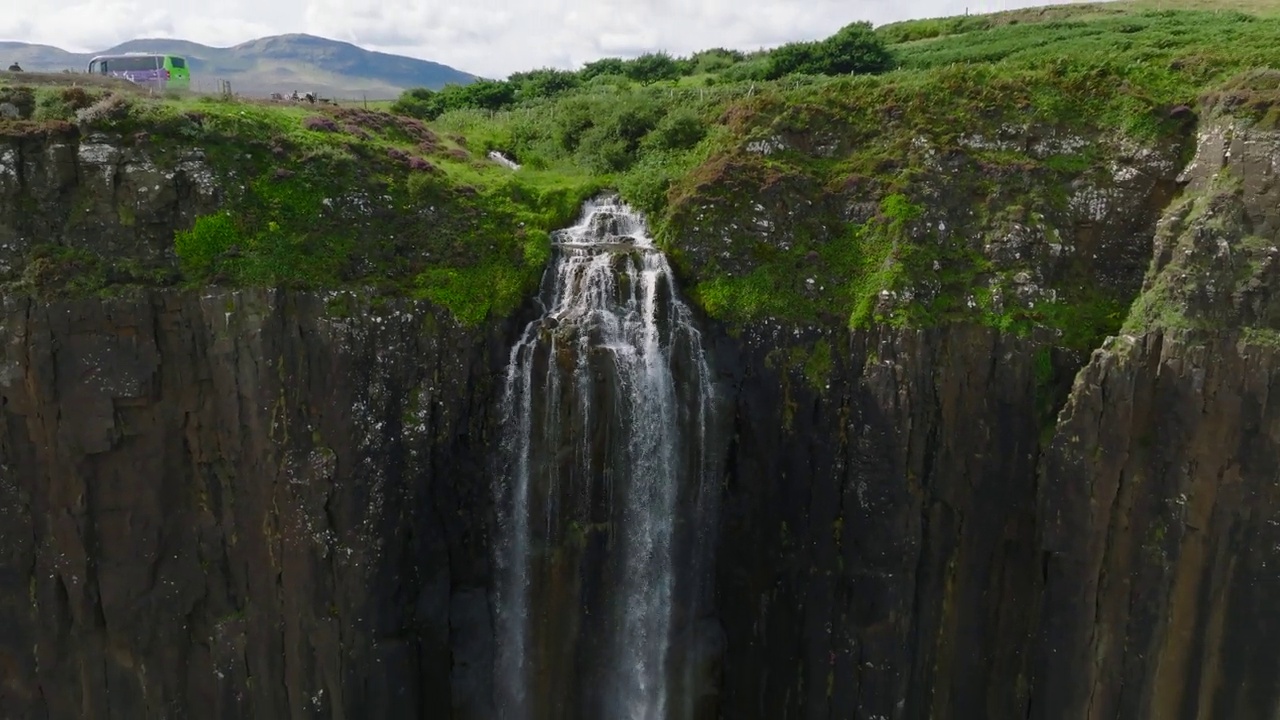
{"x": 280, "y": 63}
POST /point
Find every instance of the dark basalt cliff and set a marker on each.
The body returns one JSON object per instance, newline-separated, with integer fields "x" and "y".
{"x": 253, "y": 504}
{"x": 920, "y": 546}
{"x": 236, "y": 505}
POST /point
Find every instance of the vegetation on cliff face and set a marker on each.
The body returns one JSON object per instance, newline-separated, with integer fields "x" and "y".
{"x": 978, "y": 169}
{"x": 325, "y": 198}
{"x": 1215, "y": 260}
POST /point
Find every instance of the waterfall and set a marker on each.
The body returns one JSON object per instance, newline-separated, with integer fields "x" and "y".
{"x": 604, "y": 500}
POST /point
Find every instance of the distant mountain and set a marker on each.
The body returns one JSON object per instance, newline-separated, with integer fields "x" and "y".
{"x": 280, "y": 63}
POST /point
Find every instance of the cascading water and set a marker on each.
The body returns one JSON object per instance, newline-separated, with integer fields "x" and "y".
{"x": 605, "y": 500}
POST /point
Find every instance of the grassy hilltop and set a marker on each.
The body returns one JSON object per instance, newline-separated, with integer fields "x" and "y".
{"x": 867, "y": 127}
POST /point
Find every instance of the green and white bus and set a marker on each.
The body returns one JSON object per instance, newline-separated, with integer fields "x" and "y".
{"x": 161, "y": 71}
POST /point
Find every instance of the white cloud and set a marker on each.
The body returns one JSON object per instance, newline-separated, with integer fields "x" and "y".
{"x": 487, "y": 37}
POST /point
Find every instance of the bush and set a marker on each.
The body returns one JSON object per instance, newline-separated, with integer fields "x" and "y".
{"x": 76, "y": 98}
{"x": 753, "y": 70}
{"x": 913, "y": 30}
{"x": 681, "y": 129}
{"x": 653, "y": 67}
{"x": 615, "y": 130}
{"x": 422, "y": 103}
{"x": 110, "y": 108}
{"x": 61, "y": 104}
{"x": 23, "y": 100}
{"x": 483, "y": 94}
{"x": 604, "y": 66}
{"x": 715, "y": 60}
{"x": 427, "y": 104}
{"x": 543, "y": 83}
{"x": 854, "y": 49}
{"x": 319, "y": 123}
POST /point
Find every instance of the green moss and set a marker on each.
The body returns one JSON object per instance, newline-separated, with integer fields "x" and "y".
{"x": 812, "y": 361}
{"x": 58, "y": 270}
{"x": 818, "y": 366}
{"x": 758, "y": 294}
{"x": 201, "y": 248}
{"x": 880, "y": 256}
{"x": 1071, "y": 163}
{"x": 126, "y": 214}
{"x": 1263, "y": 337}
{"x": 473, "y": 293}
{"x": 850, "y": 273}
{"x": 1050, "y": 391}
{"x": 1200, "y": 288}
{"x": 412, "y": 406}
{"x": 339, "y": 306}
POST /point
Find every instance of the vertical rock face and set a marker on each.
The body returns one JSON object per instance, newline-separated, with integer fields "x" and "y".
{"x": 1161, "y": 512}
{"x": 919, "y": 544}
{"x": 98, "y": 195}
{"x": 879, "y": 555}
{"x": 242, "y": 505}
{"x": 1161, "y": 490}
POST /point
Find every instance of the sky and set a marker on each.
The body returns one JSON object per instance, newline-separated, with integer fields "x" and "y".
{"x": 491, "y": 38}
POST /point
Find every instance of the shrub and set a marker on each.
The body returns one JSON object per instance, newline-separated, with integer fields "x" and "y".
{"x": 854, "y": 49}
{"x": 613, "y": 131}
{"x": 715, "y": 60}
{"x": 681, "y": 129}
{"x": 422, "y": 103}
{"x": 76, "y": 98}
{"x": 110, "y": 108}
{"x": 604, "y": 66}
{"x": 421, "y": 165}
{"x": 543, "y": 83}
{"x": 653, "y": 67}
{"x": 23, "y": 100}
{"x": 483, "y": 94}
{"x": 319, "y": 123}
{"x": 754, "y": 70}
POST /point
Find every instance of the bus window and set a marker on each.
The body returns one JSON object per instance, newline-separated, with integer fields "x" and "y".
{"x": 134, "y": 64}
{"x": 177, "y": 62}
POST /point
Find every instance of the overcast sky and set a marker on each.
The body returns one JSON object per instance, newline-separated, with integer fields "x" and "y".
{"x": 487, "y": 37}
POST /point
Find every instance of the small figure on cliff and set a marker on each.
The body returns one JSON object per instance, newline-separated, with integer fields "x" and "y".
{"x": 15, "y": 67}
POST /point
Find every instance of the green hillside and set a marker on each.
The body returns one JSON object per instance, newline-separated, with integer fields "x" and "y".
{"x": 281, "y": 63}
